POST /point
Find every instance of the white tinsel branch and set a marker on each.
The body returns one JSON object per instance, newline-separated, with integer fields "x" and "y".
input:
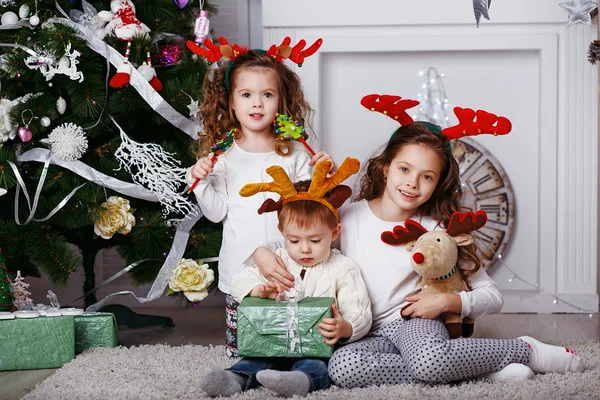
{"x": 155, "y": 169}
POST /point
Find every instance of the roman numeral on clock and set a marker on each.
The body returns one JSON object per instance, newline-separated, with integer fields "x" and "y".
{"x": 482, "y": 180}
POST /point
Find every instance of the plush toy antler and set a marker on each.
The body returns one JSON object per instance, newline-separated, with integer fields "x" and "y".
{"x": 411, "y": 230}
{"x": 319, "y": 186}
{"x": 466, "y": 222}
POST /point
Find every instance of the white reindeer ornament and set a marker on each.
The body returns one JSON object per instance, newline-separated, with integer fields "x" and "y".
{"x": 123, "y": 24}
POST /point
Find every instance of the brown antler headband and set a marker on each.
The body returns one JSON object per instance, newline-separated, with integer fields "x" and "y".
{"x": 319, "y": 186}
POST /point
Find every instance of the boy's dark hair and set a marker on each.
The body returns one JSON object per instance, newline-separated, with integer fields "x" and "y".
{"x": 304, "y": 213}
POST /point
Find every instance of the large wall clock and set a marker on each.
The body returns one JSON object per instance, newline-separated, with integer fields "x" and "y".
{"x": 486, "y": 187}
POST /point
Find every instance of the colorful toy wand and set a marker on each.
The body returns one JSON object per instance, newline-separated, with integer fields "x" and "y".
{"x": 218, "y": 148}
{"x": 288, "y": 127}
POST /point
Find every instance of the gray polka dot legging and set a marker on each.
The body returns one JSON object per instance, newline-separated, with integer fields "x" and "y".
{"x": 420, "y": 350}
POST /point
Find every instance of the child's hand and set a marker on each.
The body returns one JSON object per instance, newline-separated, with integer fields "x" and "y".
{"x": 321, "y": 156}
{"x": 272, "y": 267}
{"x": 202, "y": 168}
{"x": 265, "y": 291}
{"x": 430, "y": 305}
{"x": 333, "y": 329}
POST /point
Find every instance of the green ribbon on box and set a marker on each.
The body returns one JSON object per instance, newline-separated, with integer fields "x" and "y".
{"x": 95, "y": 330}
{"x": 36, "y": 343}
{"x": 262, "y": 328}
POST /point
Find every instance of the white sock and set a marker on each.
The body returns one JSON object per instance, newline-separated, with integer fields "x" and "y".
{"x": 512, "y": 372}
{"x": 547, "y": 358}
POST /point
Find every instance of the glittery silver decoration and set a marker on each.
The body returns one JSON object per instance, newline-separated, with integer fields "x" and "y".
{"x": 579, "y": 11}
{"x": 481, "y": 7}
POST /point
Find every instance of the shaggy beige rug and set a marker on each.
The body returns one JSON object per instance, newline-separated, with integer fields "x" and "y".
{"x": 165, "y": 372}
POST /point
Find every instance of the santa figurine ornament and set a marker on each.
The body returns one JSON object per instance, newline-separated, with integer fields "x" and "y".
{"x": 123, "y": 24}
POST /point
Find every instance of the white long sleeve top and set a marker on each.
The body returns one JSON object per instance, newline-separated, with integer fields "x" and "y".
{"x": 387, "y": 270}
{"x": 337, "y": 276}
{"x": 219, "y": 199}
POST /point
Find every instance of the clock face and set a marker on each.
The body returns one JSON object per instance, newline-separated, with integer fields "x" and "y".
{"x": 486, "y": 187}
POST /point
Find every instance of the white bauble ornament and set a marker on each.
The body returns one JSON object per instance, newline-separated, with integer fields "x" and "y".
{"x": 64, "y": 62}
{"x": 146, "y": 71}
{"x": 61, "y": 105}
{"x": 34, "y": 20}
{"x": 45, "y": 121}
{"x": 9, "y": 18}
{"x": 23, "y": 11}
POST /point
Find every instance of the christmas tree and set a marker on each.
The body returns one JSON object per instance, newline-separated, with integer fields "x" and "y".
{"x": 98, "y": 113}
{"x": 19, "y": 287}
{"x": 6, "y": 297}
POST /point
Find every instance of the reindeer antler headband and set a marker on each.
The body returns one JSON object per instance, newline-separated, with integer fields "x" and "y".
{"x": 470, "y": 122}
{"x": 214, "y": 53}
{"x": 319, "y": 186}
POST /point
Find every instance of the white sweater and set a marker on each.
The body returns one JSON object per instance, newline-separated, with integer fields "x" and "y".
{"x": 388, "y": 273}
{"x": 337, "y": 276}
{"x": 219, "y": 199}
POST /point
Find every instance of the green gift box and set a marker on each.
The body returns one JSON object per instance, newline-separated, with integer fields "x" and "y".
{"x": 262, "y": 328}
{"x": 36, "y": 343}
{"x": 95, "y": 330}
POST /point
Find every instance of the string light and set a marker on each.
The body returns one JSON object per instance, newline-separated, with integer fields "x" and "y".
{"x": 433, "y": 107}
{"x": 556, "y": 298}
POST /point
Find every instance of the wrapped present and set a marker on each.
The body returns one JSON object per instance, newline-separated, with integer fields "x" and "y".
{"x": 36, "y": 343}
{"x": 95, "y": 330}
{"x": 266, "y": 328}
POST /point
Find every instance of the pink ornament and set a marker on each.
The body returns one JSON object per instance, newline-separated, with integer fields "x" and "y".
{"x": 201, "y": 27}
{"x": 25, "y": 134}
{"x": 169, "y": 55}
{"x": 180, "y": 3}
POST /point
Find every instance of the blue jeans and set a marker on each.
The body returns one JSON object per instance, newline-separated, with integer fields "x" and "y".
{"x": 314, "y": 368}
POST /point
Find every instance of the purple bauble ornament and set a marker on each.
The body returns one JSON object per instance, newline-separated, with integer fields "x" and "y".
{"x": 25, "y": 134}
{"x": 180, "y": 3}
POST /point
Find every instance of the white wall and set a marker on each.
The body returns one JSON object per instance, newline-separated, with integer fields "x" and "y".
{"x": 524, "y": 64}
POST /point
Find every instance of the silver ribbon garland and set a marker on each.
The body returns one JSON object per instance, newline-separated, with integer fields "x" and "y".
{"x": 154, "y": 100}
{"x": 85, "y": 171}
{"x": 162, "y": 279}
{"x": 293, "y": 296}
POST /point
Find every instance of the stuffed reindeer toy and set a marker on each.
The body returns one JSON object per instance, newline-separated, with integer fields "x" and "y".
{"x": 434, "y": 256}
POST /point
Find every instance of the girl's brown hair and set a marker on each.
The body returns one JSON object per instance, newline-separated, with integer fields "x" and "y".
{"x": 304, "y": 213}
{"x": 219, "y": 118}
{"x": 445, "y": 199}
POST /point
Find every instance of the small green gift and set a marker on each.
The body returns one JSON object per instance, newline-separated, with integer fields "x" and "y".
{"x": 36, "y": 343}
{"x": 95, "y": 330}
{"x": 263, "y": 328}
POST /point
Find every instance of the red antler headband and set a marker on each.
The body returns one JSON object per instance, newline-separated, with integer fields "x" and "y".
{"x": 214, "y": 53}
{"x": 470, "y": 122}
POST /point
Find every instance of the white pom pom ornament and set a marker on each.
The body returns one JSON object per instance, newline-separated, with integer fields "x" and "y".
{"x": 67, "y": 142}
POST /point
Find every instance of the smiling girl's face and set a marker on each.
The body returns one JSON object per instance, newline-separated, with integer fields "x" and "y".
{"x": 411, "y": 178}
